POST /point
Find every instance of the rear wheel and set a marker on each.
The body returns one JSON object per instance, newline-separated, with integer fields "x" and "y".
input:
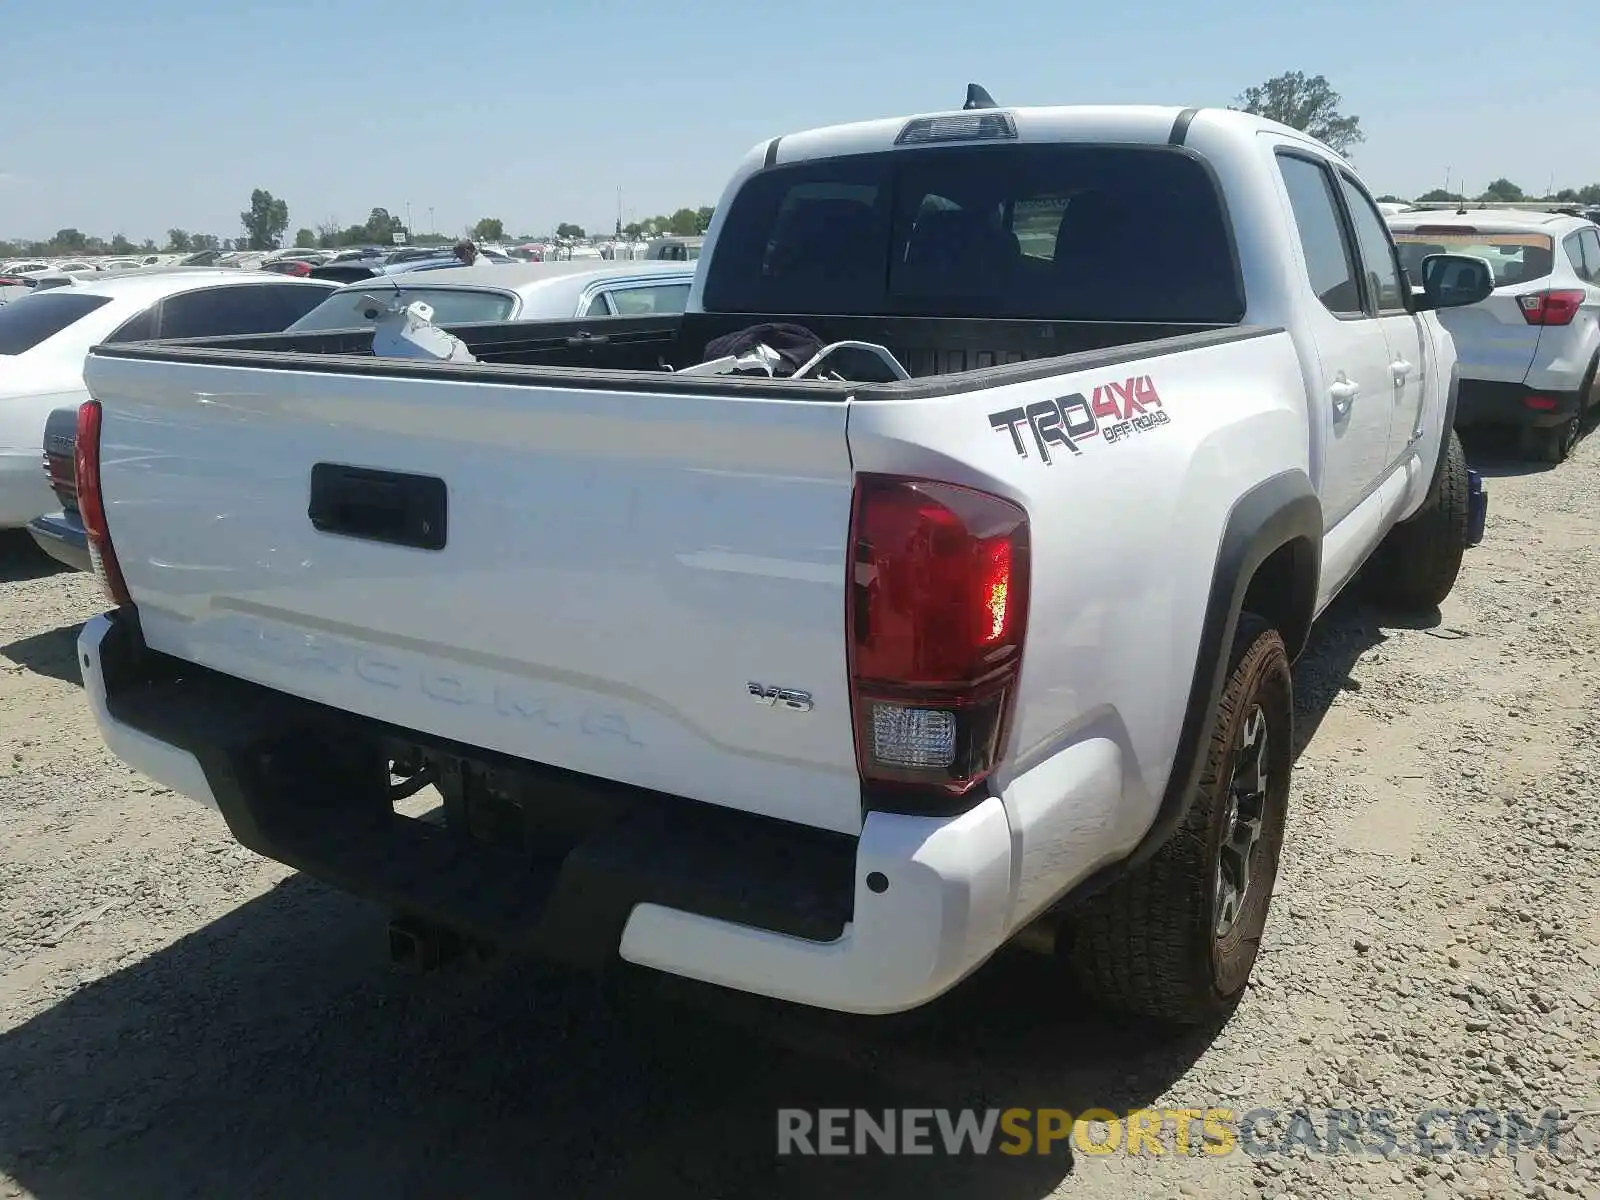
{"x": 1415, "y": 566}
{"x": 1551, "y": 443}
{"x": 1176, "y": 938}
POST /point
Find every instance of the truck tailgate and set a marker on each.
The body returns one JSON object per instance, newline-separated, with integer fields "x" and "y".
{"x": 616, "y": 568}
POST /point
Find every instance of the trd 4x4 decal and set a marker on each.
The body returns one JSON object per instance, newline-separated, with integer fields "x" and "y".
{"x": 1117, "y": 412}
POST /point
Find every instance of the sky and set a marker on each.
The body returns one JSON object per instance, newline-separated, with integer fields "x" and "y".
{"x": 137, "y": 118}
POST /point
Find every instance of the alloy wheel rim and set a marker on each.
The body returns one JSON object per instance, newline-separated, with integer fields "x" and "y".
{"x": 1242, "y": 827}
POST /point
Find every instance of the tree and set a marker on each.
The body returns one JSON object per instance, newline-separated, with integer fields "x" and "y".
{"x": 380, "y": 228}
{"x": 490, "y": 229}
{"x": 703, "y": 216}
{"x": 304, "y": 238}
{"x": 684, "y": 223}
{"x": 265, "y": 221}
{"x": 203, "y": 241}
{"x": 1502, "y": 190}
{"x": 1310, "y": 105}
{"x": 1387, "y": 198}
{"x": 70, "y": 240}
{"x": 568, "y": 230}
{"x": 633, "y": 231}
{"x": 121, "y": 245}
{"x": 1440, "y": 196}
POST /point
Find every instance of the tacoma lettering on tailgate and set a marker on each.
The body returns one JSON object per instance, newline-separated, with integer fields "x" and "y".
{"x": 323, "y": 655}
{"x": 1116, "y": 412}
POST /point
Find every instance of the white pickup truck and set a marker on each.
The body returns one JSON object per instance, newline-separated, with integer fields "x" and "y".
{"x": 819, "y": 687}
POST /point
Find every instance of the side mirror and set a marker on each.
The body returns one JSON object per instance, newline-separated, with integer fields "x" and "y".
{"x": 1454, "y": 281}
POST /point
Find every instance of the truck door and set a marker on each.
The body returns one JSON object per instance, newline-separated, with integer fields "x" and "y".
{"x": 1388, "y": 302}
{"x": 1353, "y": 401}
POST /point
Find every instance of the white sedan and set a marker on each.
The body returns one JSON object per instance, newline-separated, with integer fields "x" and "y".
{"x": 45, "y": 336}
{"x": 517, "y": 292}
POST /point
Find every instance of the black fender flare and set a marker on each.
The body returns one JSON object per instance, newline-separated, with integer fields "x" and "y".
{"x": 1452, "y": 393}
{"x": 1278, "y": 511}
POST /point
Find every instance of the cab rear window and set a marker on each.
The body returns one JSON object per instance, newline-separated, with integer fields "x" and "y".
{"x": 1514, "y": 257}
{"x": 1055, "y": 232}
{"x": 27, "y": 322}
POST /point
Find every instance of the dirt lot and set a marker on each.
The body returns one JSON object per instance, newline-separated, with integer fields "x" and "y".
{"x": 180, "y": 1018}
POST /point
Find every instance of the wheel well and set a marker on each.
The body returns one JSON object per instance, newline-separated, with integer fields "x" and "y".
{"x": 1283, "y": 590}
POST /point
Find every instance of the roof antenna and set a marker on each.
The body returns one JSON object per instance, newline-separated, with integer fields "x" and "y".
{"x": 977, "y": 97}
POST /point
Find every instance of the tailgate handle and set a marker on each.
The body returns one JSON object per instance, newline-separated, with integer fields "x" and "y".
{"x": 378, "y": 506}
{"x": 584, "y": 339}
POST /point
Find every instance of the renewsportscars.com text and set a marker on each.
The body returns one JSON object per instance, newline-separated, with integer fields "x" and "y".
{"x": 1158, "y": 1131}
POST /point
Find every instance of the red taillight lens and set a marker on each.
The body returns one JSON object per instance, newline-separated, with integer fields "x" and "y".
{"x": 1556, "y": 307}
{"x": 1542, "y": 403}
{"x": 91, "y": 504}
{"x": 938, "y": 609}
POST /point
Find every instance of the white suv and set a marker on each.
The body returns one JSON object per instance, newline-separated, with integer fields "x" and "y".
{"x": 1527, "y": 353}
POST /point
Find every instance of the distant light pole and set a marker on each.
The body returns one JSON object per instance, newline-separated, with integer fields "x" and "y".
{"x": 432, "y": 230}
{"x": 408, "y": 220}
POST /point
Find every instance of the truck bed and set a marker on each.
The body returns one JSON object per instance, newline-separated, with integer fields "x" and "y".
{"x": 925, "y": 346}
{"x": 594, "y": 568}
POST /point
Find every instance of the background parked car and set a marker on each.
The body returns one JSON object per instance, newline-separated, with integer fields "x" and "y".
{"x": 358, "y": 266}
{"x": 1529, "y": 352}
{"x": 518, "y": 292}
{"x": 45, "y": 336}
{"x": 461, "y": 295}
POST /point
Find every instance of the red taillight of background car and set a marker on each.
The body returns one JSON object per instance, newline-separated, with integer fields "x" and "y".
{"x": 1556, "y": 306}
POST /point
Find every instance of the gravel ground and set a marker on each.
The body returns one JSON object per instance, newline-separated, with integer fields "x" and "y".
{"x": 180, "y": 1018}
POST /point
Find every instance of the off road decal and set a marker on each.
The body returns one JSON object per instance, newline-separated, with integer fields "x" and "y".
{"x": 1116, "y": 412}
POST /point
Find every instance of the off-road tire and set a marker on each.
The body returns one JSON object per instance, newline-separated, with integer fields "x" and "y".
{"x": 1415, "y": 566}
{"x": 1148, "y": 943}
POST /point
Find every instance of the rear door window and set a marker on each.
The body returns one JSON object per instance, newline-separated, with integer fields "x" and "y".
{"x": 26, "y": 323}
{"x": 649, "y": 298}
{"x": 1054, "y": 232}
{"x": 1589, "y": 247}
{"x": 136, "y": 329}
{"x": 1330, "y": 259}
{"x": 239, "y": 309}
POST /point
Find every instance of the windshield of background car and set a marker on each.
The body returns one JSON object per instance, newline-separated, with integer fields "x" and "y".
{"x": 41, "y": 315}
{"x": 1514, "y": 257}
{"x": 1053, "y": 232}
{"x": 451, "y": 306}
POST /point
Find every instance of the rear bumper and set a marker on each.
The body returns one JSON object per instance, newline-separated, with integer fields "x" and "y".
{"x": 875, "y": 924}
{"x": 61, "y": 536}
{"x": 1485, "y": 402}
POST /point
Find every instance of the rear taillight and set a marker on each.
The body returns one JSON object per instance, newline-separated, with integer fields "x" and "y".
{"x": 91, "y": 504}
{"x": 937, "y": 611}
{"x": 1555, "y": 307}
{"x": 1541, "y": 403}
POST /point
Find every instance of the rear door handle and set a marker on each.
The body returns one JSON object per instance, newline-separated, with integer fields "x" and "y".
{"x": 1344, "y": 394}
{"x": 1400, "y": 368}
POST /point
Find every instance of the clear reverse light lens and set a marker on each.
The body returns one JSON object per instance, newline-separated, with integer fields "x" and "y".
{"x": 913, "y": 737}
